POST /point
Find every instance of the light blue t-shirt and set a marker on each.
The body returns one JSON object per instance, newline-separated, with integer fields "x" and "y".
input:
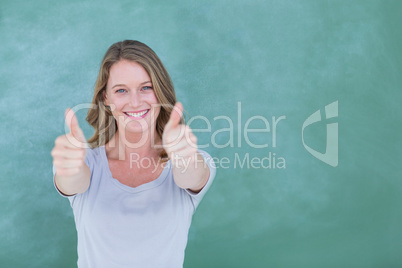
{"x": 122, "y": 226}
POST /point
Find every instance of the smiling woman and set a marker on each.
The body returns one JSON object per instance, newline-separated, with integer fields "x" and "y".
{"x": 132, "y": 215}
{"x": 139, "y": 54}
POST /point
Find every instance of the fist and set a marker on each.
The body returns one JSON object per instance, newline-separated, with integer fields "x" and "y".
{"x": 178, "y": 140}
{"x": 69, "y": 150}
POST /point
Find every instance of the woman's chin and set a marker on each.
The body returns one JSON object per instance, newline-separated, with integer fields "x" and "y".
{"x": 137, "y": 130}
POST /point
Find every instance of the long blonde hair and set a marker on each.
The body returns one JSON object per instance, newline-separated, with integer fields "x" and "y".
{"x": 100, "y": 116}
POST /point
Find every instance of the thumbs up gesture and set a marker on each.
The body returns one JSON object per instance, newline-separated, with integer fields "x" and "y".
{"x": 178, "y": 140}
{"x": 69, "y": 150}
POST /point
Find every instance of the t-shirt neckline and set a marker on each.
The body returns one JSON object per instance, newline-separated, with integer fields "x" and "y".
{"x": 143, "y": 187}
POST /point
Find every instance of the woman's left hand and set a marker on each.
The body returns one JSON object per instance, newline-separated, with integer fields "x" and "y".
{"x": 189, "y": 168}
{"x": 178, "y": 140}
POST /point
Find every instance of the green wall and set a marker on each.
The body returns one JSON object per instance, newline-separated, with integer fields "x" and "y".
{"x": 259, "y": 59}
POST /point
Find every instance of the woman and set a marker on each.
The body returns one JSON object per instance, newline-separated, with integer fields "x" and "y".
{"x": 134, "y": 192}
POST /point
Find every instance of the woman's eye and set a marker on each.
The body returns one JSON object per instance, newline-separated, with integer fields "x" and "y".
{"x": 146, "y": 88}
{"x": 120, "y": 90}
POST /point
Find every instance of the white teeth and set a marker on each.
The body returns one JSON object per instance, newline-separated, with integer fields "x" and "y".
{"x": 137, "y": 114}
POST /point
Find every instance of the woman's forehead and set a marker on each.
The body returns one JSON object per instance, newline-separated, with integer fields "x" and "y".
{"x": 127, "y": 72}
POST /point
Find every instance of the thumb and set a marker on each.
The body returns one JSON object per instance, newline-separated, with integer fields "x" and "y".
{"x": 72, "y": 123}
{"x": 175, "y": 116}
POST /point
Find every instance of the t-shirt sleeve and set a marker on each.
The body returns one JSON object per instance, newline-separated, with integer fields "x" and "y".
{"x": 197, "y": 197}
{"x": 89, "y": 161}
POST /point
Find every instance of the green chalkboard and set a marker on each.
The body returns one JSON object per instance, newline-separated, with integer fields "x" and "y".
{"x": 298, "y": 101}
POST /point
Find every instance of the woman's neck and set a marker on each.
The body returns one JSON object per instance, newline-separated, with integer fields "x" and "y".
{"x": 127, "y": 147}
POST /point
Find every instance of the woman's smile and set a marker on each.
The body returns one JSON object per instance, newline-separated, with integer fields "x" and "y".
{"x": 137, "y": 114}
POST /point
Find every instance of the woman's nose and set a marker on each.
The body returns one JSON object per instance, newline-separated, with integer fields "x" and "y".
{"x": 135, "y": 99}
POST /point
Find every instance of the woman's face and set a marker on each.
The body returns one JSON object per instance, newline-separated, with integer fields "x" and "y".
{"x": 130, "y": 94}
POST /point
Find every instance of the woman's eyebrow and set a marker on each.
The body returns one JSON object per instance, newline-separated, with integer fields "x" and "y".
{"x": 145, "y": 82}
{"x": 119, "y": 85}
{"x": 123, "y": 85}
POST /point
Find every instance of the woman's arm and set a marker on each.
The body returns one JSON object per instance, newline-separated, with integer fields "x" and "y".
{"x": 191, "y": 173}
{"x": 72, "y": 174}
{"x": 189, "y": 168}
{"x": 75, "y": 184}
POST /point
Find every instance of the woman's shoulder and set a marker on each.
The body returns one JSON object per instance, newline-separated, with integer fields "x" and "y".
{"x": 94, "y": 154}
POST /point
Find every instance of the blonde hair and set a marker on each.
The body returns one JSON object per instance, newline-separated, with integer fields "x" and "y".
{"x": 100, "y": 116}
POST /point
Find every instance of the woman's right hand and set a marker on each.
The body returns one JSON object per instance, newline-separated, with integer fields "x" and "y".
{"x": 69, "y": 150}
